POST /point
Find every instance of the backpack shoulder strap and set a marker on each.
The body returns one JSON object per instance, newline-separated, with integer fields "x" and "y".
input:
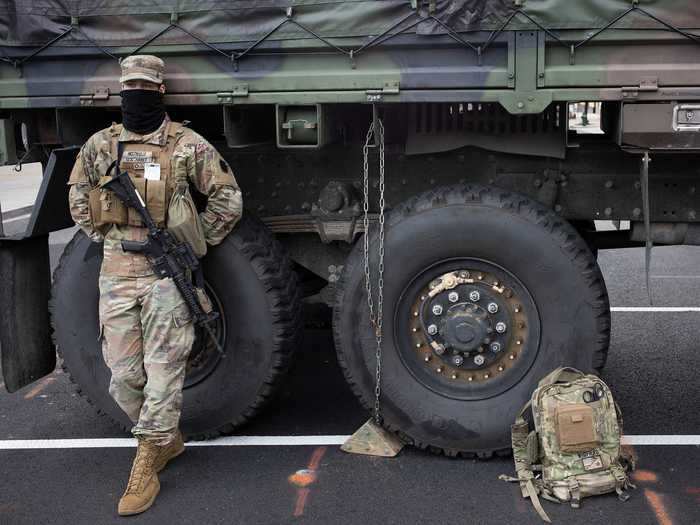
{"x": 523, "y": 468}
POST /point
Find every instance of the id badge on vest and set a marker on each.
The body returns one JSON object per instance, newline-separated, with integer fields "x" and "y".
{"x": 151, "y": 171}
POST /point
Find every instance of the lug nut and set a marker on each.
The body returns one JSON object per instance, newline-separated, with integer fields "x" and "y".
{"x": 453, "y": 297}
{"x": 432, "y": 329}
{"x": 474, "y": 295}
{"x": 496, "y": 347}
{"x": 458, "y": 360}
{"x": 437, "y": 309}
{"x": 492, "y": 308}
{"x": 439, "y": 349}
{"x": 479, "y": 360}
{"x": 500, "y": 327}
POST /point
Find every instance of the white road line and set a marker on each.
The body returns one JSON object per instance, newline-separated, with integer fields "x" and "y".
{"x": 655, "y": 309}
{"x": 675, "y": 276}
{"x": 687, "y": 439}
{"x": 277, "y": 441}
{"x": 228, "y": 441}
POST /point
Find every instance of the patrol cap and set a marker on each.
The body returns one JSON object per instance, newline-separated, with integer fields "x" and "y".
{"x": 142, "y": 67}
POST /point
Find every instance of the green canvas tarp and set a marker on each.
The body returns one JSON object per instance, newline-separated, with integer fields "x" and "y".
{"x": 131, "y": 22}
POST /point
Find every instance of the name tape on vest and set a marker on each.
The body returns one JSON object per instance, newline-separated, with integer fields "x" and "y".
{"x": 136, "y": 160}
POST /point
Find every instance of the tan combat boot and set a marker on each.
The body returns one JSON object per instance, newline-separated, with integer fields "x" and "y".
{"x": 168, "y": 452}
{"x": 143, "y": 486}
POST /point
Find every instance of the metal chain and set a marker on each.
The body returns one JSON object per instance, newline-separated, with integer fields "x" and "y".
{"x": 375, "y": 316}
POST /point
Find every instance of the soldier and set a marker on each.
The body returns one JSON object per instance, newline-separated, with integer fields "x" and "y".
{"x": 146, "y": 328}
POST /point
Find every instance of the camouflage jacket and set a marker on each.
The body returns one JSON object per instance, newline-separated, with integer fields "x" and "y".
{"x": 206, "y": 170}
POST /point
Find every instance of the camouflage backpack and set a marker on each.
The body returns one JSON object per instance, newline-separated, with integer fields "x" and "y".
{"x": 575, "y": 445}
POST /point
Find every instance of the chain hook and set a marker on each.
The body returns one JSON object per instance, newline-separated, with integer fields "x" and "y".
{"x": 18, "y": 165}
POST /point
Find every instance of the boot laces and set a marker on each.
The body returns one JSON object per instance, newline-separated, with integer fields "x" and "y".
{"x": 143, "y": 464}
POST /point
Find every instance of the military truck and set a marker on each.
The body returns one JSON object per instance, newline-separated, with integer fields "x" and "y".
{"x": 424, "y": 142}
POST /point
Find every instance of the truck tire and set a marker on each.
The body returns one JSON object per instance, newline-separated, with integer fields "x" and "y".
{"x": 519, "y": 256}
{"x": 250, "y": 280}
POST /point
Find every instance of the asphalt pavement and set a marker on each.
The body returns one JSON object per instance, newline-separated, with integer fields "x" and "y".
{"x": 652, "y": 370}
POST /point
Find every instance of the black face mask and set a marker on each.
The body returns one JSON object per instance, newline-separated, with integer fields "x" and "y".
{"x": 143, "y": 110}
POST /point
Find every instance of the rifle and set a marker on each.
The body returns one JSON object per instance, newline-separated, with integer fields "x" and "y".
{"x": 167, "y": 256}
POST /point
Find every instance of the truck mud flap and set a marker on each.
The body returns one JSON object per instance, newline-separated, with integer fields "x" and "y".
{"x": 26, "y": 350}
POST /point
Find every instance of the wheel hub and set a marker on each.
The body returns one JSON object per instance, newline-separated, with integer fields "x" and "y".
{"x": 471, "y": 326}
{"x": 464, "y": 328}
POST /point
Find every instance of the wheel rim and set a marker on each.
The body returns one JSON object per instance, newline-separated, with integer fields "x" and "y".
{"x": 204, "y": 358}
{"x": 467, "y": 328}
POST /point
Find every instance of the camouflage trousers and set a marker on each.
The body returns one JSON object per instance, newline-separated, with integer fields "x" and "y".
{"x": 147, "y": 335}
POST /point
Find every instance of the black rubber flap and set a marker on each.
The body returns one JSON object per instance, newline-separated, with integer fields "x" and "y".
{"x": 26, "y": 348}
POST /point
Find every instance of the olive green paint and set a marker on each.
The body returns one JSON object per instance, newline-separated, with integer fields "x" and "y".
{"x": 523, "y": 66}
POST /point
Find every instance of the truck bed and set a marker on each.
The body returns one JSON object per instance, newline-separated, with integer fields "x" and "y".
{"x": 60, "y": 54}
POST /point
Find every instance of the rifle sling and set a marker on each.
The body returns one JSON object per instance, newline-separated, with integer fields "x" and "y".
{"x": 116, "y": 163}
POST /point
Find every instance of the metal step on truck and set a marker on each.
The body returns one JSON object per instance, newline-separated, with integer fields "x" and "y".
{"x": 426, "y": 142}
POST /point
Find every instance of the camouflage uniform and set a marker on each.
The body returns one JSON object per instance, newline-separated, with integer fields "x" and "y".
{"x": 146, "y": 328}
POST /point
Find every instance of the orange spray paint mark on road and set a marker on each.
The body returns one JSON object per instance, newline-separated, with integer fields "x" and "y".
{"x": 302, "y": 496}
{"x": 654, "y": 499}
{"x": 645, "y": 476}
{"x": 694, "y": 491}
{"x": 304, "y": 478}
{"x": 316, "y": 458}
{"x": 656, "y": 503}
{"x": 39, "y": 387}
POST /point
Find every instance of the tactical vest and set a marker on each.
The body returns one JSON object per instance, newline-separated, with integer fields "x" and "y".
{"x": 575, "y": 445}
{"x": 106, "y": 209}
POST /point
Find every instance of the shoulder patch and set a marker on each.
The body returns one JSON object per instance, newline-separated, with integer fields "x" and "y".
{"x": 201, "y": 147}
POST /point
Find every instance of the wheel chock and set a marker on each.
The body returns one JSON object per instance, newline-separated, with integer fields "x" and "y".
{"x": 373, "y": 440}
